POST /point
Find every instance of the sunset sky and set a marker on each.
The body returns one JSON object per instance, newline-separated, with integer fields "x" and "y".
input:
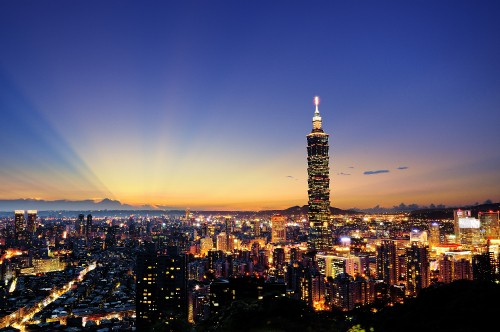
{"x": 207, "y": 104}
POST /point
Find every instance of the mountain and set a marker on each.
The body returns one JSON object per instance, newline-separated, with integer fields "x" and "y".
{"x": 304, "y": 208}
{"x": 106, "y": 204}
{"x": 447, "y": 213}
{"x": 67, "y": 205}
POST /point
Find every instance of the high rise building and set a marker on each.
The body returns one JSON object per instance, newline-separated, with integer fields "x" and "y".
{"x": 278, "y": 234}
{"x": 88, "y": 228}
{"x": 160, "y": 288}
{"x": 206, "y": 244}
{"x": 387, "y": 262}
{"x": 256, "y": 227}
{"x": 417, "y": 268}
{"x": 319, "y": 185}
{"x": 18, "y": 224}
{"x": 279, "y": 260}
{"x": 80, "y": 225}
{"x": 434, "y": 236}
{"x": 31, "y": 222}
{"x": 457, "y": 215}
{"x": 490, "y": 225}
{"x": 225, "y": 242}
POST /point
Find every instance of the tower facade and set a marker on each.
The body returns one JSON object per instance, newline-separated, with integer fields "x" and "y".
{"x": 278, "y": 234}
{"x": 490, "y": 224}
{"x": 319, "y": 185}
{"x": 386, "y": 262}
{"x": 19, "y": 224}
{"x": 31, "y": 222}
{"x": 161, "y": 288}
{"x": 80, "y": 225}
{"x": 417, "y": 268}
{"x": 88, "y": 228}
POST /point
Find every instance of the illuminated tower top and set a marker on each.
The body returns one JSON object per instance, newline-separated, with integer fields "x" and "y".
{"x": 317, "y": 116}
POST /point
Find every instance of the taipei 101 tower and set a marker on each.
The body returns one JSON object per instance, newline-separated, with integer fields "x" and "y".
{"x": 320, "y": 237}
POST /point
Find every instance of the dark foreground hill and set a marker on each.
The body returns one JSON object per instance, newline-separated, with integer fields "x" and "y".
{"x": 462, "y": 306}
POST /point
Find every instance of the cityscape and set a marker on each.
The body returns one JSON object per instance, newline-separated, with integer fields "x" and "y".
{"x": 158, "y": 183}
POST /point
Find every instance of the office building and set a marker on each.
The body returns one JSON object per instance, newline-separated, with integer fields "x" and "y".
{"x": 19, "y": 224}
{"x": 490, "y": 226}
{"x": 318, "y": 171}
{"x": 387, "y": 262}
{"x": 31, "y": 222}
{"x": 161, "y": 289}
{"x": 457, "y": 214}
{"x": 417, "y": 268}
{"x": 80, "y": 225}
{"x": 278, "y": 224}
{"x": 88, "y": 227}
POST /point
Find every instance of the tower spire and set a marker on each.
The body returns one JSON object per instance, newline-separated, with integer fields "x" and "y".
{"x": 317, "y": 116}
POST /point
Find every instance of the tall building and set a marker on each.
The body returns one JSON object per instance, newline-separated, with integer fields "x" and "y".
{"x": 88, "y": 228}
{"x": 80, "y": 225}
{"x": 31, "y": 222}
{"x": 256, "y": 227}
{"x": 225, "y": 242}
{"x": 457, "y": 215}
{"x": 279, "y": 260}
{"x": 319, "y": 185}
{"x": 417, "y": 268}
{"x": 160, "y": 288}
{"x": 206, "y": 244}
{"x": 490, "y": 225}
{"x": 18, "y": 224}
{"x": 278, "y": 234}
{"x": 387, "y": 262}
{"x": 434, "y": 238}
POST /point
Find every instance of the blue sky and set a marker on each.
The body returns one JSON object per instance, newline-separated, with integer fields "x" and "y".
{"x": 207, "y": 103}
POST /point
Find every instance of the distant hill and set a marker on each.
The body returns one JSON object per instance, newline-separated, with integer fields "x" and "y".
{"x": 447, "y": 213}
{"x": 9, "y": 205}
{"x": 304, "y": 208}
{"x": 67, "y": 205}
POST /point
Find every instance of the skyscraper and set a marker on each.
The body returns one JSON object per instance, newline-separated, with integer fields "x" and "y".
{"x": 417, "y": 268}
{"x": 386, "y": 262}
{"x": 319, "y": 185}
{"x": 160, "y": 287}
{"x": 19, "y": 225}
{"x": 278, "y": 234}
{"x": 490, "y": 225}
{"x": 88, "y": 228}
{"x": 80, "y": 225}
{"x": 31, "y": 223}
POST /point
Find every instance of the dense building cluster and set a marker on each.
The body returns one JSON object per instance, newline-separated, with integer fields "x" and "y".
{"x": 177, "y": 269}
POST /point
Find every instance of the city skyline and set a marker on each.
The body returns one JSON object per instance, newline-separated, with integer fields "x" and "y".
{"x": 206, "y": 105}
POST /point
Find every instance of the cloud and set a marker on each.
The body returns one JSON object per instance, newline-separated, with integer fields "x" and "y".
{"x": 376, "y": 172}
{"x": 342, "y": 173}
{"x": 402, "y": 167}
